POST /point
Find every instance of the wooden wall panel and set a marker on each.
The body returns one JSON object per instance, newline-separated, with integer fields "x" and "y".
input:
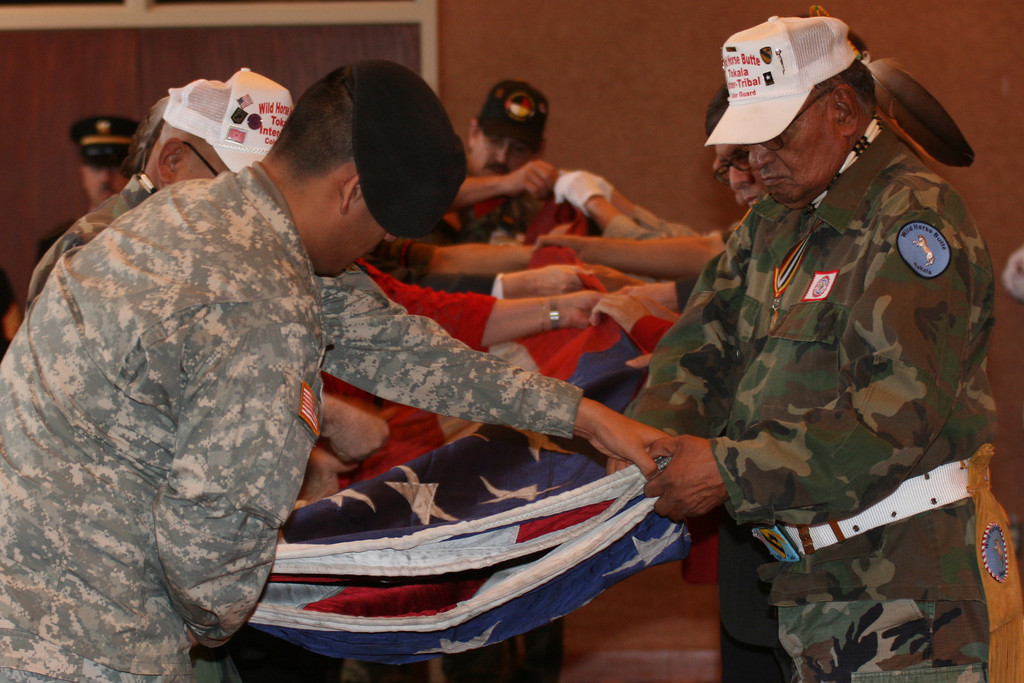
{"x": 52, "y": 78}
{"x": 294, "y": 56}
{"x": 49, "y": 81}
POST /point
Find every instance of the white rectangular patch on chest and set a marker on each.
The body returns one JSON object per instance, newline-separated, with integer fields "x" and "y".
{"x": 820, "y": 286}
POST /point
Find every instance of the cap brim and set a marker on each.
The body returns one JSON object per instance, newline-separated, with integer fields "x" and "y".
{"x": 508, "y": 129}
{"x": 749, "y": 124}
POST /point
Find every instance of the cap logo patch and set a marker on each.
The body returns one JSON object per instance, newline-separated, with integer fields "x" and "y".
{"x": 520, "y": 106}
{"x": 103, "y": 127}
{"x": 236, "y": 135}
{"x": 245, "y": 101}
{"x": 993, "y": 552}
{"x": 923, "y": 248}
{"x": 742, "y": 83}
{"x": 766, "y": 54}
{"x": 255, "y": 121}
{"x": 820, "y": 286}
{"x": 238, "y": 116}
{"x": 768, "y": 78}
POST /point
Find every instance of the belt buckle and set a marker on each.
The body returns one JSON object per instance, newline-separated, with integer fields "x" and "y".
{"x": 778, "y": 543}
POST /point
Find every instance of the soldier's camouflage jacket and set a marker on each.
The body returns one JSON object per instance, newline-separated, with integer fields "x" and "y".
{"x": 154, "y": 421}
{"x": 87, "y": 227}
{"x": 873, "y": 371}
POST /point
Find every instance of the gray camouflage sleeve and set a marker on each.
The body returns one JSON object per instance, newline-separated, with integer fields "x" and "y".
{"x": 239, "y": 458}
{"x": 375, "y": 345}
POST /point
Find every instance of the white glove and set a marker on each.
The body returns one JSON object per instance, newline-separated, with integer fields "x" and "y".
{"x": 576, "y": 187}
{"x": 1013, "y": 275}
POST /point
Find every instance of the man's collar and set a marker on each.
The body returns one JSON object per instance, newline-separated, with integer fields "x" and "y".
{"x": 847, "y": 192}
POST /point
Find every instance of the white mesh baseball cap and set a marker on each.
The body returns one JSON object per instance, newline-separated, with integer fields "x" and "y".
{"x": 771, "y": 68}
{"x": 241, "y": 119}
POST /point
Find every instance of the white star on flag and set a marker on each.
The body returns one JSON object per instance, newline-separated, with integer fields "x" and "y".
{"x": 450, "y": 646}
{"x": 420, "y": 497}
{"x": 525, "y": 493}
{"x": 647, "y": 551}
{"x": 339, "y": 498}
{"x": 539, "y": 442}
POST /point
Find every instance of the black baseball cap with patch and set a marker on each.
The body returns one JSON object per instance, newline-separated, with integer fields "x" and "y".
{"x": 409, "y": 159}
{"x": 515, "y": 109}
{"x": 103, "y": 140}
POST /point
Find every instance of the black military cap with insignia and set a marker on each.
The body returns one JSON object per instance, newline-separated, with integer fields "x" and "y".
{"x": 517, "y": 110}
{"x": 103, "y": 140}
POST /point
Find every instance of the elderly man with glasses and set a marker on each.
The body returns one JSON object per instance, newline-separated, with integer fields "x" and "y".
{"x": 827, "y": 381}
{"x": 173, "y": 143}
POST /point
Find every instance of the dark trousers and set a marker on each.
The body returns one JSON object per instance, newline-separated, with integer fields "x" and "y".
{"x": 750, "y": 648}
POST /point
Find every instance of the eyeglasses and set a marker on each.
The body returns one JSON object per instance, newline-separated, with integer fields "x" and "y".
{"x": 214, "y": 171}
{"x": 738, "y": 161}
{"x": 779, "y": 141}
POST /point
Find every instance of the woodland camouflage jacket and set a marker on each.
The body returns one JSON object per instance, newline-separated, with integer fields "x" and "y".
{"x": 872, "y": 371}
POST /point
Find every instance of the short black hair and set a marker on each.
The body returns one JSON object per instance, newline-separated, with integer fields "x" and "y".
{"x": 858, "y": 77}
{"x": 317, "y": 137}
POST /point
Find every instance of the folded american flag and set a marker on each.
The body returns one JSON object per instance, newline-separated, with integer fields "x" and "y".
{"x": 475, "y": 542}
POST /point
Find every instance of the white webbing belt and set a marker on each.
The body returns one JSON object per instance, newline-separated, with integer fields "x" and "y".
{"x": 944, "y": 485}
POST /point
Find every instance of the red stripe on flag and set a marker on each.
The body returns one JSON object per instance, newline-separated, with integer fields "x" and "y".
{"x": 547, "y": 525}
{"x": 416, "y": 599}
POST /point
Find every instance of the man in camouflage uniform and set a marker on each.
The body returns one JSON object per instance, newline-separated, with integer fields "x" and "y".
{"x": 159, "y": 404}
{"x": 507, "y": 180}
{"x": 833, "y": 352}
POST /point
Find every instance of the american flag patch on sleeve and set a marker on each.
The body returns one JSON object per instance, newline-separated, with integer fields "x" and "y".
{"x": 308, "y": 409}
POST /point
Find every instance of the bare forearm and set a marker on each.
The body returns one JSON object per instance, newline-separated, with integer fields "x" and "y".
{"x": 620, "y": 202}
{"x": 476, "y": 189}
{"x": 536, "y": 177}
{"x": 669, "y": 258}
{"x": 615, "y": 435}
{"x": 602, "y": 211}
{"x": 478, "y": 259}
{"x": 514, "y": 318}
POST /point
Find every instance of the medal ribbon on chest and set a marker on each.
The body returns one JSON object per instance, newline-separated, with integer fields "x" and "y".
{"x": 787, "y": 269}
{"x": 784, "y": 273}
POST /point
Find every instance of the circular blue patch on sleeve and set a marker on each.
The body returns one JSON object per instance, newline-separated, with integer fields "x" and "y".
{"x": 924, "y": 248}
{"x": 994, "y": 553}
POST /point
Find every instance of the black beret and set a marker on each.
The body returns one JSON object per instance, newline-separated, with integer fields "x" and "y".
{"x": 103, "y": 140}
{"x": 409, "y": 159}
